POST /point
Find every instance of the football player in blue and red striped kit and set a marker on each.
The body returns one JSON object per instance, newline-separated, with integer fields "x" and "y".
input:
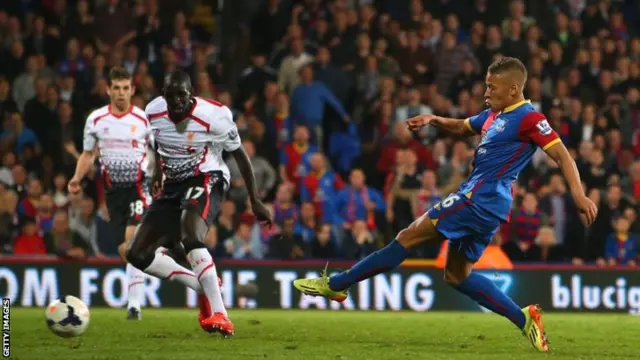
{"x": 511, "y": 132}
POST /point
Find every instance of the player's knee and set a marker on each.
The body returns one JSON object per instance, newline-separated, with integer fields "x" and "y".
{"x": 141, "y": 259}
{"x": 122, "y": 251}
{"x": 194, "y": 230}
{"x": 451, "y": 278}
{"x": 421, "y": 230}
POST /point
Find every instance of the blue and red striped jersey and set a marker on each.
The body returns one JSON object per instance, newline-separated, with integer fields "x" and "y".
{"x": 509, "y": 140}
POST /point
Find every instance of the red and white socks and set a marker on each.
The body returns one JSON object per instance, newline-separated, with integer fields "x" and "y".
{"x": 205, "y": 270}
{"x": 135, "y": 278}
{"x": 164, "y": 267}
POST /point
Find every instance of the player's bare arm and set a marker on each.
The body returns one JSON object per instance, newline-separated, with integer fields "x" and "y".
{"x": 588, "y": 209}
{"x": 85, "y": 162}
{"x": 457, "y": 127}
{"x": 246, "y": 169}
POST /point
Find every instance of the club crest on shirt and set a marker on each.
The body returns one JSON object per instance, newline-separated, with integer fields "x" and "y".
{"x": 500, "y": 125}
{"x": 133, "y": 129}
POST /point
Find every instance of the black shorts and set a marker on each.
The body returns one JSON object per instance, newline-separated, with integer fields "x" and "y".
{"x": 203, "y": 193}
{"x": 127, "y": 205}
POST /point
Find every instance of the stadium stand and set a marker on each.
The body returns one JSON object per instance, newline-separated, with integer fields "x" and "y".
{"x": 319, "y": 92}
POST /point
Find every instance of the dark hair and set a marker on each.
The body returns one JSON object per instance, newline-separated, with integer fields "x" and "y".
{"x": 178, "y": 76}
{"x": 508, "y": 64}
{"x": 118, "y": 73}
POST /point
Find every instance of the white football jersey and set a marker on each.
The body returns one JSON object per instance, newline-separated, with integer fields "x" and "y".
{"x": 197, "y": 148}
{"x": 122, "y": 142}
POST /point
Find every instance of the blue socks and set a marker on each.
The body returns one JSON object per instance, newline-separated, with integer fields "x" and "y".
{"x": 476, "y": 286}
{"x": 380, "y": 261}
{"x": 484, "y": 292}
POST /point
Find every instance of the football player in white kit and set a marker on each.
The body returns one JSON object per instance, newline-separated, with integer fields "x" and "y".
{"x": 189, "y": 135}
{"x": 118, "y": 133}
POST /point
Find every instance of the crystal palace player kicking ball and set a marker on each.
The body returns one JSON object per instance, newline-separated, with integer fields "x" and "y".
{"x": 120, "y": 132}
{"x": 511, "y": 132}
{"x": 189, "y": 135}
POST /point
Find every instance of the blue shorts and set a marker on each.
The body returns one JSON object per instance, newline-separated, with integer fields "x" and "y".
{"x": 468, "y": 226}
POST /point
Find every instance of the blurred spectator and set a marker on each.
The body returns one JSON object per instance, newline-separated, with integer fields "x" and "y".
{"x": 28, "y": 207}
{"x": 308, "y": 102}
{"x": 242, "y": 245}
{"x": 82, "y": 222}
{"x": 8, "y": 218}
{"x": 307, "y": 224}
{"x": 359, "y": 242}
{"x": 224, "y": 226}
{"x": 402, "y": 186}
{"x": 29, "y": 242}
{"x": 15, "y": 136}
{"x": 526, "y": 223}
{"x": 113, "y": 26}
{"x": 621, "y": 247}
{"x": 283, "y": 206}
{"x": 287, "y": 245}
{"x": 295, "y": 157}
{"x": 402, "y": 140}
{"x": 44, "y": 214}
{"x": 322, "y": 247}
{"x": 63, "y": 241}
{"x": 611, "y": 206}
{"x": 358, "y": 202}
{"x": 545, "y": 247}
{"x": 321, "y": 187}
{"x": 557, "y": 205}
{"x": 336, "y": 79}
{"x": 631, "y": 184}
{"x": 264, "y": 173}
{"x": 289, "y": 76}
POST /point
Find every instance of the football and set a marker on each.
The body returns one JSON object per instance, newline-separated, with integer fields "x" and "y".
{"x": 67, "y": 316}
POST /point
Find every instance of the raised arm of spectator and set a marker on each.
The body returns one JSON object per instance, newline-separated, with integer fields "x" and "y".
{"x": 376, "y": 198}
{"x": 328, "y": 96}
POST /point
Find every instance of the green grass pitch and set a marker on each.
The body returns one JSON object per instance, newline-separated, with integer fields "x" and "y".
{"x": 273, "y": 334}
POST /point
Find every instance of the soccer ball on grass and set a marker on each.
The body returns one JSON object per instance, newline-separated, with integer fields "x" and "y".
{"x": 67, "y": 316}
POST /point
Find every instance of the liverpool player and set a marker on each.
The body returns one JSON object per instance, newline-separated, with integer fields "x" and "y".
{"x": 118, "y": 132}
{"x": 189, "y": 135}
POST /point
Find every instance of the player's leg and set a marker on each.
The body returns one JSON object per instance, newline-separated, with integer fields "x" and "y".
{"x": 383, "y": 260}
{"x": 199, "y": 203}
{"x": 461, "y": 256}
{"x": 135, "y": 278}
{"x": 141, "y": 250}
{"x": 121, "y": 211}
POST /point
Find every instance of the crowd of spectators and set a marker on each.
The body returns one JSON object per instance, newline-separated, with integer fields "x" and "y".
{"x": 320, "y": 108}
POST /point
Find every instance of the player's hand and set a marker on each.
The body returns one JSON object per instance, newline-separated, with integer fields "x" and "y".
{"x": 156, "y": 183}
{"x": 417, "y": 122}
{"x": 261, "y": 212}
{"x": 74, "y": 186}
{"x": 588, "y": 210}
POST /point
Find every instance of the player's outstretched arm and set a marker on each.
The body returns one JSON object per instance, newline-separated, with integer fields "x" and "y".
{"x": 246, "y": 169}
{"x": 457, "y": 127}
{"x": 559, "y": 153}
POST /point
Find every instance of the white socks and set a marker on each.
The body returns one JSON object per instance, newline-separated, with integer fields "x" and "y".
{"x": 136, "y": 286}
{"x": 164, "y": 267}
{"x": 205, "y": 270}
